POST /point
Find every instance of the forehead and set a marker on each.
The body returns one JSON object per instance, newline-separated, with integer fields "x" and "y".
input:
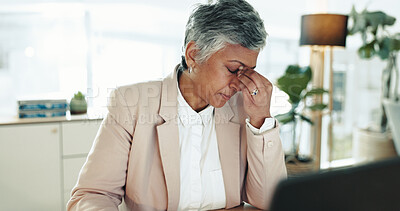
{"x": 236, "y": 53}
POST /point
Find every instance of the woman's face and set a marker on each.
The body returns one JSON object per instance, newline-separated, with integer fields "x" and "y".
{"x": 216, "y": 80}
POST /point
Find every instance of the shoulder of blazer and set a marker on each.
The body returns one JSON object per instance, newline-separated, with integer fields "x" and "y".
{"x": 142, "y": 97}
{"x": 127, "y": 104}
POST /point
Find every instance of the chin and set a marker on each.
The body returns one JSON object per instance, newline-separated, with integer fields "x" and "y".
{"x": 218, "y": 103}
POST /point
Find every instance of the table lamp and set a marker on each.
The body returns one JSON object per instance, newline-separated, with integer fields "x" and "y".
{"x": 321, "y": 31}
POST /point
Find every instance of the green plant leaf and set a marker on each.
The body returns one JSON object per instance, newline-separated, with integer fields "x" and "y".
{"x": 368, "y": 23}
{"x": 285, "y": 118}
{"x": 388, "y": 45}
{"x": 306, "y": 119}
{"x": 316, "y": 91}
{"x": 319, "y": 106}
{"x": 367, "y": 51}
{"x": 384, "y": 48}
{"x": 359, "y": 22}
{"x": 389, "y": 20}
{"x": 294, "y": 82}
{"x": 79, "y": 96}
{"x": 394, "y": 44}
{"x": 378, "y": 18}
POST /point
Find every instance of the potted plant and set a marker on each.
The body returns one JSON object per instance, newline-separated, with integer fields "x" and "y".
{"x": 295, "y": 83}
{"x": 78, "y": 104}
{"x": 378, "y": 42}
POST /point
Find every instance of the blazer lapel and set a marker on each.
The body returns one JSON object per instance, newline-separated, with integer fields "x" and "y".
{"x": 228, "y": 138}
{"x": 168, "y": 140}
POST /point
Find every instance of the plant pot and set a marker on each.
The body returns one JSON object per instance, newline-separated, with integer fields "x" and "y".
{"x": 287, "y": 133}
{"x": 372, "y": 146}
{"x": 297, "y": 167}
{"x": 78, "y": 106}
{"x": 295, "y": 139}
{"x": 392, "y": 109}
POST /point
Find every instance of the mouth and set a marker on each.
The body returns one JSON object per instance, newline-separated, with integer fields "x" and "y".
{"x": 226, "y": 97}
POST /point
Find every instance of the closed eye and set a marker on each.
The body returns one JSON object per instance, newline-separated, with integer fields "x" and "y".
{"x": 233, "y": 72}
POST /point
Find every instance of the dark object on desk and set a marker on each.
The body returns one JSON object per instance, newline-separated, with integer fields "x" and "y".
{"x": 370, "y": 187}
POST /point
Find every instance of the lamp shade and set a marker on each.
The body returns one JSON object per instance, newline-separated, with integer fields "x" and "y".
{"x": 323, "y": 29}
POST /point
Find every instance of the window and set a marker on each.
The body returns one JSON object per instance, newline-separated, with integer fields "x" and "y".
{"x": 41, "y": 50}
{"x": 131, "y": 43}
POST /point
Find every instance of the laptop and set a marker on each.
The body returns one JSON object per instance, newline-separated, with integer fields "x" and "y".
{"x": 373, "y": 186}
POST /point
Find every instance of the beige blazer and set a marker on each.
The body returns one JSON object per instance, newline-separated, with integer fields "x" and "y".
{"x": 136, "y": 155}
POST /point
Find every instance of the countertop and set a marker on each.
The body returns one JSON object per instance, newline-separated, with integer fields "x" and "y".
{"x": 92, "y": 114}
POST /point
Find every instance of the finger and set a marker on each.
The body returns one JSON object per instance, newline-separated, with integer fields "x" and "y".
{"x": 264, "y": 86}
{"x": 241, "y": 86}
{"x": 247, "y": 96}
{"x": 247, "y": 82}
{"x": 257, "y": 78}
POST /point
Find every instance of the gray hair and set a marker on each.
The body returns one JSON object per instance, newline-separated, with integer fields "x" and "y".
{"x": 212, "y": 26}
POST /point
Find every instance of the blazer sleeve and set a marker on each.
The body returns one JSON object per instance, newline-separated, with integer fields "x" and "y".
{"x": 102, "y": 178}
{"x": 266, "y": 166}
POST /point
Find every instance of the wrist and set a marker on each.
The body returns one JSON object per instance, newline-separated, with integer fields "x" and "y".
{"x": 258, "y": 122}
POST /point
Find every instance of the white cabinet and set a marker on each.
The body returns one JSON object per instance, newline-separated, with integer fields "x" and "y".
{"x": 30, "y": 167}
{"x": 77, "y": 139}
{"x": 40, "y": 163}
{"x": 72, "y": 167}
{"x": 78, "y": 136}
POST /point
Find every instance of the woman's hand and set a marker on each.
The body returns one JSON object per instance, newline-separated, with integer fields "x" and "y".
{"x": 256, "y": 103}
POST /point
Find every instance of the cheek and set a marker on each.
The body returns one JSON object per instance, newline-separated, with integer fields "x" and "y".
{"x": 218, "y": 82}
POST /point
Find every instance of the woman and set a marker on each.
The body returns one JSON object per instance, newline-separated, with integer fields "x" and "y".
{"x": 202, "y": 138}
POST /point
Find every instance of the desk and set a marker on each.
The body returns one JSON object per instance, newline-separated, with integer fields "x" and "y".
{"x": 246, "y": 207}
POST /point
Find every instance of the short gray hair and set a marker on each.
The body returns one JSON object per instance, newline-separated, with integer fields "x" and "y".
{"x": 212, "y": 26}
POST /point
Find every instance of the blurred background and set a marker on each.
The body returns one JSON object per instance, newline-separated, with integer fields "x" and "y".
{"x": 65, "y": 46}
{"x": 94, "y": 46}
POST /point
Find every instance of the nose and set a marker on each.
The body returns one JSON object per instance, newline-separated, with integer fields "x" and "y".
{"x": 235, "y": 84}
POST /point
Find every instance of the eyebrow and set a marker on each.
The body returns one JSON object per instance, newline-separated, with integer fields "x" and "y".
{"x": 241, "y": 63}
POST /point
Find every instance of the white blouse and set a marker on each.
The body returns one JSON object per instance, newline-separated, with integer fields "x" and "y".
{"x": 201, "y": 181}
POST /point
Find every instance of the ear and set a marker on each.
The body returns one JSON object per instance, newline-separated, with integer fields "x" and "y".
{"x": 190, "y": 54}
